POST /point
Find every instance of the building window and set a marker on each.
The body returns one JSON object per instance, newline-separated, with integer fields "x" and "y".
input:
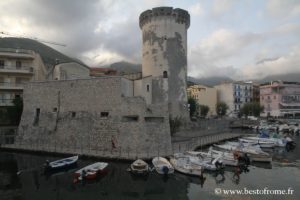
{"x": 73, "y": 114}
{"x": 269, "y": 98}
{"x": 148, "y": 88}
{"x": 165, "y": 74}
{"x": 55, "y": 109}
{"x": 18, "y": 64}
{"x": 154, "y": 119}
{"x": 2, "y": 64}
{"x": 36, "y": 117}
{"x": 104, "y": 114}
{"x": 133, "y": 118}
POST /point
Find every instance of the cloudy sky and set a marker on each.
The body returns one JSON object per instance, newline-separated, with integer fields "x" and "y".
{"x": 242, "y": 39}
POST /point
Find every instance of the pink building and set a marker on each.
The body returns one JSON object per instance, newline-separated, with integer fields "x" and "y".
{"x": 280, "y": 98}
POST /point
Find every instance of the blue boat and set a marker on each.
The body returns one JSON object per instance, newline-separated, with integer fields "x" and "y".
{"x": 61, "y": 164}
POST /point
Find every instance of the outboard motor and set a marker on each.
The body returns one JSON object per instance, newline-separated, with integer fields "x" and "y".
{"x": 165, "y": 170}
{"x": 290, "y": 145}
{"x": 246, "y": 159}
{"x": 219, "y": 164}
{"x": 46, "y": 167}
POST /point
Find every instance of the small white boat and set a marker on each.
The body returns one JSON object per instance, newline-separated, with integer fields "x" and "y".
{"x": 277, "y": 141}
{"x": 185, "y": 166}
{"x": 162, "y": 165}
{"x": 203, "y": 161}
{"x": 262, "y": 144}
{"x": 255, "y": 154}
{"x": 242, "y": 144}
{"x": 61, "y": 164}
{"x": 91, "y": 171}
{"x": 139, "y": 167}
{"x": 228, "y": 158}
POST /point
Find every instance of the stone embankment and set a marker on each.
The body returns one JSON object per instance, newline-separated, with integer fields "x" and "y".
{"x": 198, "y": 135}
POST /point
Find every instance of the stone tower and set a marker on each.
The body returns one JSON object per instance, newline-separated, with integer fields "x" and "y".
{"x": 164, "y": 32}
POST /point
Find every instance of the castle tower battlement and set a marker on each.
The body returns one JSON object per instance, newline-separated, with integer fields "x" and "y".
{"x": 181, "y": 16}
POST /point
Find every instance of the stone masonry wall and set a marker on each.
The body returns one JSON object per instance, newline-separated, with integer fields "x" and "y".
{"x": 92, "y": 116}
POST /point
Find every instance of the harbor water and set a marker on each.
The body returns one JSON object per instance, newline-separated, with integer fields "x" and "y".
{"x": 282, "y": 175}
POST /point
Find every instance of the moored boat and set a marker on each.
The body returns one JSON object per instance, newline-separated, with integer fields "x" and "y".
{"x": 139, "y": 167}
{"x": 255, "y": 154}
{"x": 262, "y": 144}
{"x": 91, "y": 171}
{"x": 205, "y": 162}
{"x": 61, "y": 164}
{"x": 277, "y": 141}
{"x": 185, "y": 166}
{"x": 228, "y": 158}
{"x": 162, "y": 165}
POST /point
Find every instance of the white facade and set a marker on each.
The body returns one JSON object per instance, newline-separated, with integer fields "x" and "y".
{"x": 71, "y": 70}
{"x": 235, "y": 95}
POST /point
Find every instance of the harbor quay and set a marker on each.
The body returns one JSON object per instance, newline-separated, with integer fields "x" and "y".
{"x": 203, "y": 133}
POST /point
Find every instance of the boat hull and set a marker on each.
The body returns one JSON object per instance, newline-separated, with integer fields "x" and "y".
{"x": 186, "y": 169}
{"x": 161, "y": 164}
{"x": 92, "y": 171}
{"x": 65, "y": 164}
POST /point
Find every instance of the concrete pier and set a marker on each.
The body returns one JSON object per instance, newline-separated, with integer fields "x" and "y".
{"x": 193, "y": 143}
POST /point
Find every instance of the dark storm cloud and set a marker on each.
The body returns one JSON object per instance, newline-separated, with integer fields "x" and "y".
{"x": 74, "y": 23}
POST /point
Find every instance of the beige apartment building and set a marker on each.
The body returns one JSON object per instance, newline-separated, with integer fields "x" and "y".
{"x": 18, "y": 66}
{"x": 204, "y": 96}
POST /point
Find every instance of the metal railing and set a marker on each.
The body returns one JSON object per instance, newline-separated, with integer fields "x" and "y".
{"x": 11, "y": 84}
{"x": 21, "y": 51}
{"x": 6, "y": 101}
{"x": 9, "y": 67}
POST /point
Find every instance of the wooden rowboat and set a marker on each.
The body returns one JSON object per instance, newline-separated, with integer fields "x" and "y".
{"x": 91, "y": 171}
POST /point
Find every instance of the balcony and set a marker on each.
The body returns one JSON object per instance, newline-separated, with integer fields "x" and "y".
{"x": 6, "y": 102}
{"x": 16, "y": 53}
{"x": 11, "y": 86}
{"x": 16, "y": 70}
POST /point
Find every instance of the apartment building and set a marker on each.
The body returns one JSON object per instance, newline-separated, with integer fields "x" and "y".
{"x": 204, "y": 96}
{"x": 235, "y": 95}
{"x": 18, "y": 66}
{"x": 280, "y": 99}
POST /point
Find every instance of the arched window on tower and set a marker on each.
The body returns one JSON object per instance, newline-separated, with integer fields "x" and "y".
{"x": 165, "y": 74}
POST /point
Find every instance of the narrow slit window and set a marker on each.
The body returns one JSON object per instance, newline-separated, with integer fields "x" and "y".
{"x": 148, "y": 88}
{"x": 36, "y": 117}
{"x": 165, "y": 74}
{"x": 104, "y": 114}
{"x": 133, "y": 118}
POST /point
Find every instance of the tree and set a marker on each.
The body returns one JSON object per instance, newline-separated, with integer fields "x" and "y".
{"x": 175, "y": 124}
{"x": 221, "y": 108}
{"x": 15, "y": 111}
{"x": 252, "y": 108}
{"x": 203, "y": 110}
{"x": 193, "y": 106}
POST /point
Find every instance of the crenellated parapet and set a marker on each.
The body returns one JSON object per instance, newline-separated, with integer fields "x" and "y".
{"x": 181, "y": 16}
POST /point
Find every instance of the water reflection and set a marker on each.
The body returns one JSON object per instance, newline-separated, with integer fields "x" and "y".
{"x": 32, "y": 184}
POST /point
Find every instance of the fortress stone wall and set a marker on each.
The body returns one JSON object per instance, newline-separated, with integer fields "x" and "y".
{"x": 94, "y": 114}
